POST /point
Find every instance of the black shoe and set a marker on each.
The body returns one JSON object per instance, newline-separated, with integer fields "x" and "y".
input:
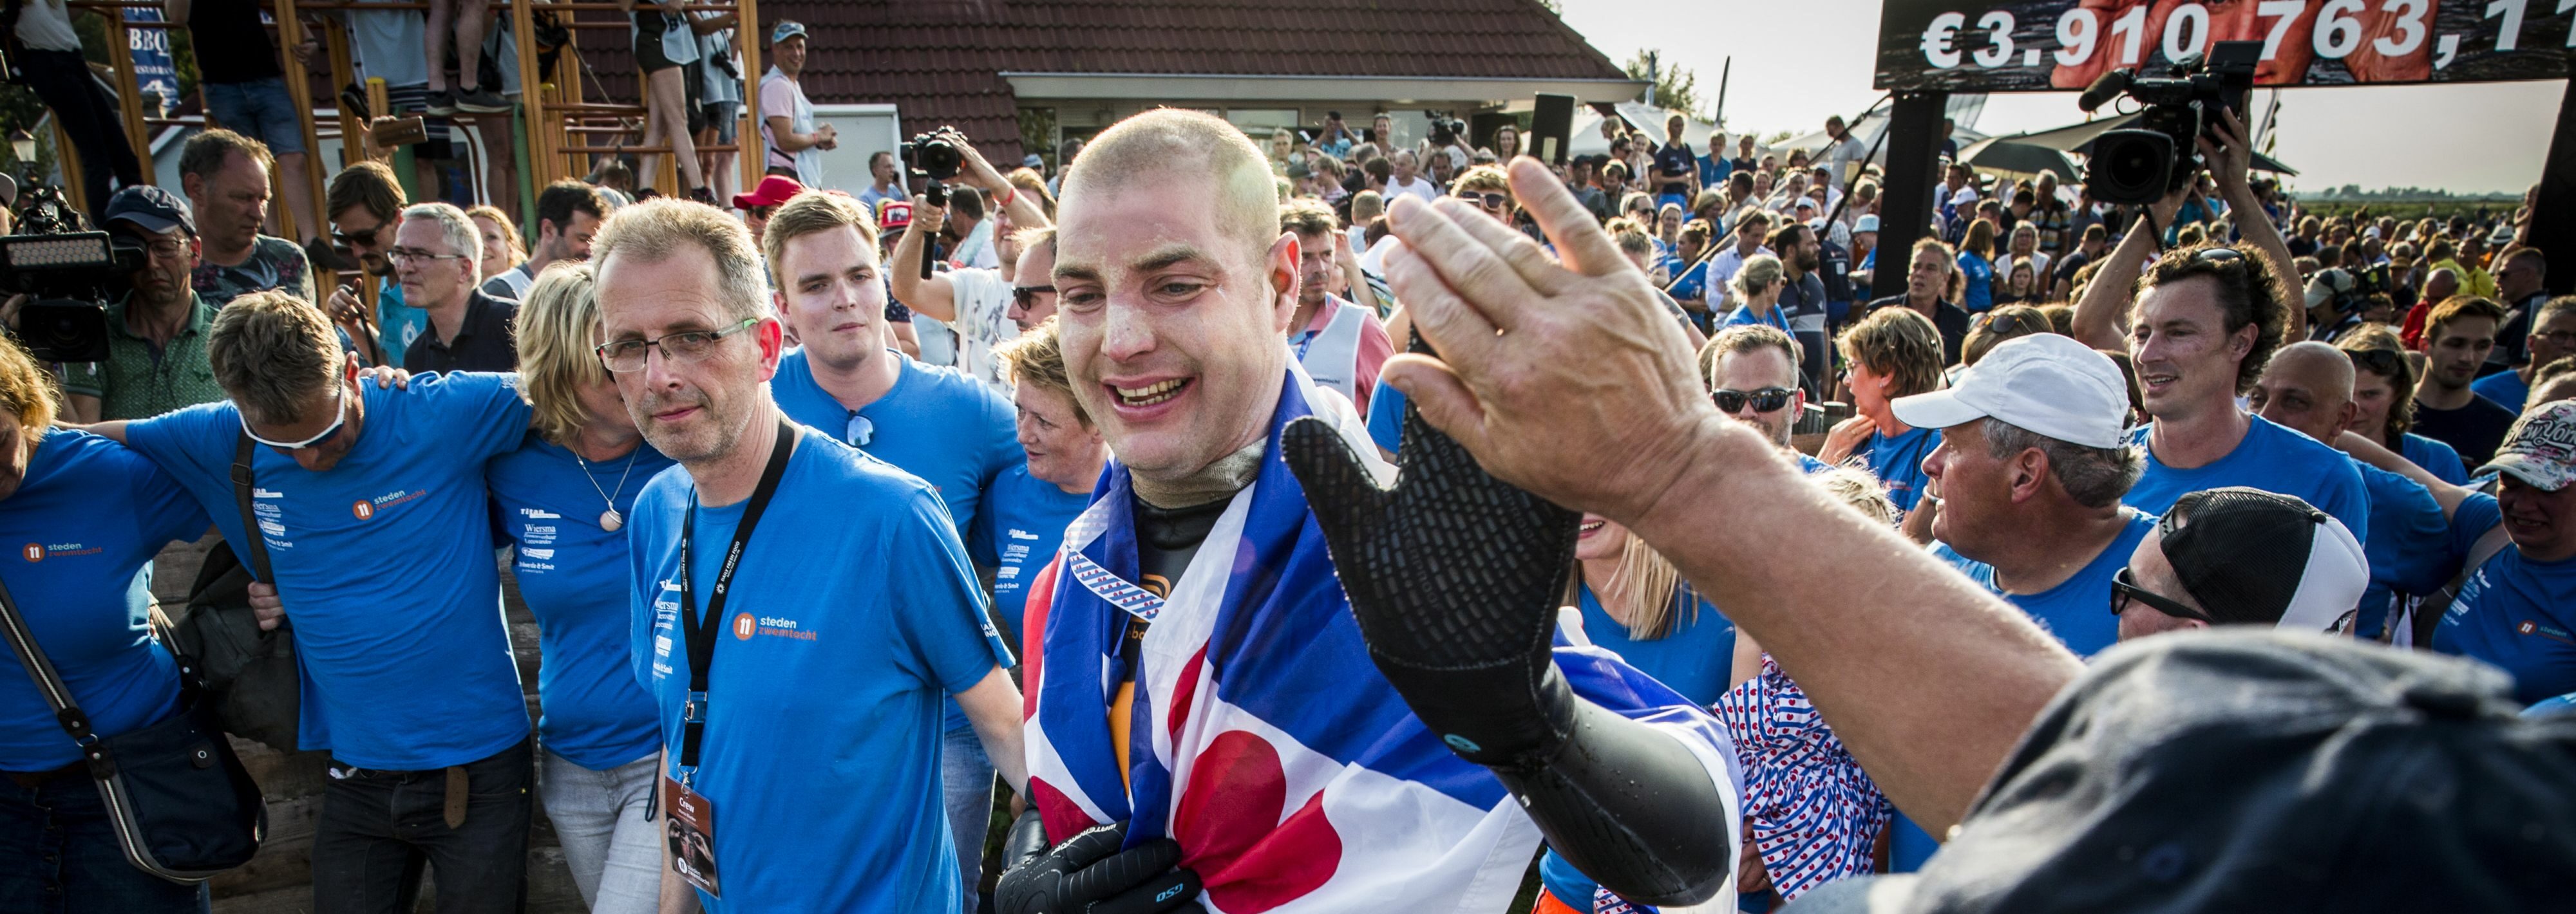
{"x": 442, "y": 102}
{"x": 326, "y": 257}
{"x": 482, "y": 101}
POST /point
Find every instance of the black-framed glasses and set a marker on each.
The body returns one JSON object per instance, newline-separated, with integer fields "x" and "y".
{"x": 685, "y": 346}
{"x": 2124, "y": 588}
{"x": 416, "y": 255}
{"x": 1489, "y": 199}
{"x": 1765, "y": 400}
{"x": 1027, "y": 296}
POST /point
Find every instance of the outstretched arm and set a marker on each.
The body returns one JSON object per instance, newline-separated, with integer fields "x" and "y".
{"x": 2102, "y": 315}
{"x": 1929, "y": 681}
{"x": 2229, "y": 155}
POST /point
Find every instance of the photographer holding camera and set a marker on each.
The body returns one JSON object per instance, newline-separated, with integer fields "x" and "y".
{"x": 975, "y": 295}
{"x": 156, "y": 335}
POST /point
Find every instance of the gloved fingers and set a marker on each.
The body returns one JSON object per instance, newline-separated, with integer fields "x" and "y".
{"x": 1122, "y": 871}
{"x": 1091, "y": 846}
{"x": 1025, "y": 841}
{"x": 1345, "y": 497}
{"x": 1174, "y": 890}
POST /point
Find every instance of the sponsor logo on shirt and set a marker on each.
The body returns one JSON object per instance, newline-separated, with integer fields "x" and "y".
{"x": 540, "y": 554}
{"x": 37, "y": 552}
{"x": 363, "y": 510}
{"x": 2551, "y": 632}
{"x": 256, "y": 492}
{"x": 746, "y": 626}
{"x": 1019, "y": 534}
{"x": 539, "y": 514}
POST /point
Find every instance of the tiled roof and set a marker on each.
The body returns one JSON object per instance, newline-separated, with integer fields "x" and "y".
{"x": 941, "y": 61}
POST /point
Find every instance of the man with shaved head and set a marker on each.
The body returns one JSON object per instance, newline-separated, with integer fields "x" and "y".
{"x": 2307, "y": 388}
{"x": 1207, "y": 723}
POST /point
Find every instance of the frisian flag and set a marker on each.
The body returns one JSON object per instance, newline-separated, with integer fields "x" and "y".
{"x": 1263, "y": 739}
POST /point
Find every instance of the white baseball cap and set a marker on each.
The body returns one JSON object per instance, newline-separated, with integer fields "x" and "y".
{"x": 2044, "y": 383}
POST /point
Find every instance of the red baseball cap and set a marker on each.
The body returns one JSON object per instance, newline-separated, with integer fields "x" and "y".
{"x": 893, "y": 214}
{"x": 772, "y": 191}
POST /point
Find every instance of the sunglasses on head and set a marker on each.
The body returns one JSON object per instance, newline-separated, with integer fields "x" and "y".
{"x": 1765, "y": 400}
{"x": 1027, "y": 296}
{"x": 1489, "y": 199}
{"x": 2216, "y": 255}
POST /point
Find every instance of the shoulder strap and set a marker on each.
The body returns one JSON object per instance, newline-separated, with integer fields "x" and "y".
{"x": 48, "y": 681}
{"x": 2428, "y": 614}
{"x": 253, "y": 541}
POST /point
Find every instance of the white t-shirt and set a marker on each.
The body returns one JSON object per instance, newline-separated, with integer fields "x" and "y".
{"x": 2038, "y": 271}
{"x": 783, "y": 97}
{"x": 1421, "y": 187}
{"x": 983, "y": 323}
{"x": 1722, "y": 267}
{"x": 976, "y": 251}
{"x": 46, "y": 25}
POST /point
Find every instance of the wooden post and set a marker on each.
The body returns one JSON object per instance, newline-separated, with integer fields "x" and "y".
{"x": 532, "y": 99}
{"x": 68, "y": 159}
{"x": 753, "y": 154}
{"x": 129, "y": 88}
{"x": 357, "y": 144}
{"x": 290, "y": 33}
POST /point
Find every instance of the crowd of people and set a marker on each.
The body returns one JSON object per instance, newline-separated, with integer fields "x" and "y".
{"x": 1830, "y": 605}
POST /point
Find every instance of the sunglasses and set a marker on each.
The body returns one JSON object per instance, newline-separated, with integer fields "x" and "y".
{"x": 367, "y": 237}
{"x": 2217, "y": 255}
{"x": 2388, "y": 362}
{"x": 1489, "y": 199}
{"x": 1027, "y": 296}
{"x": 2124, "y": 588}
{"x": 339, "y": 409}
{"x": 1766, "y": 400}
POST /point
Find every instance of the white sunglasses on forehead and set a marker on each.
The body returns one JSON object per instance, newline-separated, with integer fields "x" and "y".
{"x": 339, "y": 414}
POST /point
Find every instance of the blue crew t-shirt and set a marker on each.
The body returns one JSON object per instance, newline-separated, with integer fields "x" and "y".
{"x": 2270, "y": 458}
{"x": 853, "y": 613}
{"x": 385, "y": 565}
{"x": 1693, "y": 658}
{"x": 2507, "y": 388}
{"x": 88, "y": 517}
{"x": 2436, "y": 457}
{"x": 1017, "y": 532}
{"x": 2516, "y": 614}
{"x": 573, "y": 576}
{"x": 936, "y": 423}
{"x": 1898, "y": 463}
{"x": 2078, "y": 610}
{"x": 2405, "y": 546}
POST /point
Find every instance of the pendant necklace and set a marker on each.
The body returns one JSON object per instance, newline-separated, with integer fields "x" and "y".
{"x": 609, "y": 520}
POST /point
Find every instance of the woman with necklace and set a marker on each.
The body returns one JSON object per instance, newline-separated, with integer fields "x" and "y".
{"x": 561, "y": 500}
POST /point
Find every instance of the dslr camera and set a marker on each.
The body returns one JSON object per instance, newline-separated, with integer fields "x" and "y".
{"x": 68, "y": 274}
{"x": 1445, "y": 131}
{"x": 2158, "y": 156}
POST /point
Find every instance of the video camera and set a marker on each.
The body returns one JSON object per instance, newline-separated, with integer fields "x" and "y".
{"x": 932, "y": 155}
{"x": 68, "y": 274}
{"x": 1445, "y": 131}
{"x": 2159, "y": 155}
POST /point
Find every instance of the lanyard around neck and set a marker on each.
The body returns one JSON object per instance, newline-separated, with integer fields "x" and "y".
{"x": 702, "y": 629}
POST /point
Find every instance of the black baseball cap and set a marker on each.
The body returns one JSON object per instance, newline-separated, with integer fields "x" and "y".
{"x": 151, "y": 208}
{"x": 2237, "y": 769}
{"x": 2252, "y": 557}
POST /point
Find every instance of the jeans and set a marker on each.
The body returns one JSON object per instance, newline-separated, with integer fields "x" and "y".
{"x": 966, "y": 783}
{"x": 63, "y": 82}
{"x": 59, "y": 855}
{"x": 259, "y": 108}
{"x": 605, "y": 819}
{"x": 378, "y": 828}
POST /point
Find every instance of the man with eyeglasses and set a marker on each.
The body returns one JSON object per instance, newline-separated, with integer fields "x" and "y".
{"x": 156, "y": 337}
{"x": 800, "y": 670}
{"x": 2239, "y": 556}
{"x": 1340, "y": 343}
{"x": 437, "y": 253}
{"x": 976, "y": 293}
{"x": 370, "y": 506}
{"x": 2553, "y": 335}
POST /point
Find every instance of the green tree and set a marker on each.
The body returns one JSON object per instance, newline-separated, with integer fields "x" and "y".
{"x": 1676, "y": 87}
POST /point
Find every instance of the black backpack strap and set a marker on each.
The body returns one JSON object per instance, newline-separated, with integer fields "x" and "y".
{"x": 58, "y": 696}
{"x": 252, "y": 540}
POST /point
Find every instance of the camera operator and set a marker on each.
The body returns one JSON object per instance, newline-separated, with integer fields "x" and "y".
{"x": 49, "y": 61}
{"x": 156, "y": 336}
{"x": 974, "y": 296}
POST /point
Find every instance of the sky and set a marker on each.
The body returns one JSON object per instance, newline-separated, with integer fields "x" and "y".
{"x": 2463, "y": 138}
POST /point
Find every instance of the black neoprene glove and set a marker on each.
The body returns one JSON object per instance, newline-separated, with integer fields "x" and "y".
{"x": 1454, "y": 577}
{"x": 1088, "y": 874}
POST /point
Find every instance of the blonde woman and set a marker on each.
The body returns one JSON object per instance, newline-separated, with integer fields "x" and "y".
{"x": 1977, "y": 267}
{"x": 1758, "y": 285}
{"x": 502, "y": 254}
{"x": 1635, "y": 605}
{"x": 563, "y": 498}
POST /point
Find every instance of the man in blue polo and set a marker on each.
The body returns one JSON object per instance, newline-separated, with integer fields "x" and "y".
{"x": 937, "y": 423}
{"x": 372, "y": 515}
{"x": 800, "y": 610}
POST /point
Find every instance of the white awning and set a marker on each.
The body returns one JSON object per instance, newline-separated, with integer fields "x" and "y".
{"x": 1401, "y": 90}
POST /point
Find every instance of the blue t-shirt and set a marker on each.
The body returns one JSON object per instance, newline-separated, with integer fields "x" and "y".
{"x": 2406, "y": 546}
{"x": 937, "y": 423}
{"x": 2515, "y": 613}
{"x": 1692, "y": 285}
{"x": 1693, "y": 658}
{"x": 853, "y": 614}
{"x": 1979, "y": 293}
{"x": 89, "y": 516}
{"x": 397, "y": 324}
{"x": 2507, "y": 388}
{"x": 2270, "y": 458}
{"x": 1898, "y": 463}
{"x": 573, "y": 576}
{"x": 1386, "y": 415}
{"x": 1714, "y": 169}
{"x": 2436, "y": 457}
{"x": 1743, "y": 316}
{"x": 385, "y": 566}
{"x": 1017, "y": 533}
{"x": 2078, "y": 610}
